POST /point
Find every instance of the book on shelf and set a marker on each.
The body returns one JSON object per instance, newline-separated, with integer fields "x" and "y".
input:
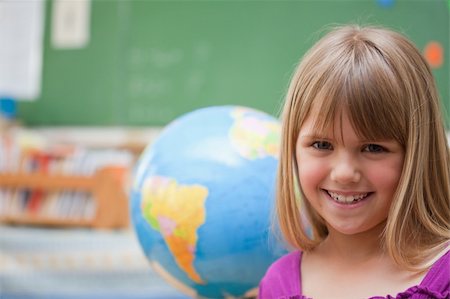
{"x": 62, "y": 184}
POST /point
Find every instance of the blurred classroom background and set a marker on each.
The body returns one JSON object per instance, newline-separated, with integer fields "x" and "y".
{"x": 86, "y": 85}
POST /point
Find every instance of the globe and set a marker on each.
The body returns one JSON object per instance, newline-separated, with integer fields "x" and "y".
{"x": 202, "y": 200}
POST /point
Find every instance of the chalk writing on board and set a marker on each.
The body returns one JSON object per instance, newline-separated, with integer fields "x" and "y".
{"x": 142, "y": 85}
{"x": 147, "y": 71}
{"x": 154, "y": 57}
{"x": 155, "y": 73}
{"x": 196, "y": 79}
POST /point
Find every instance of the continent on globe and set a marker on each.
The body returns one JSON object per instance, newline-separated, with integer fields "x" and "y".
{"x": 165, "y": 208}
{"x": 253, "y": 135}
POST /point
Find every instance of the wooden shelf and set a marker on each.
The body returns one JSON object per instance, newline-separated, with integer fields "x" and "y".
{"x": 29, "y": 219}
{"x": 111, "y": 204}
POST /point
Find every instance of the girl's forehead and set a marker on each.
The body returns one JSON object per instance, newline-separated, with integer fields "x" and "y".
{"x": 326, "y": 124}
{"x": 323, "y": 117}
{"x": 338, "y": 121}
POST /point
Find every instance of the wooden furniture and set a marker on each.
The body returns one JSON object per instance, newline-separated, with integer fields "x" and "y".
{"x": 106, "y": 188}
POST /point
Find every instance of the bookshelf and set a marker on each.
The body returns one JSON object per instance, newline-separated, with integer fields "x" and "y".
{"x": 47, "y": 181}
{"x": 103, "y": 195}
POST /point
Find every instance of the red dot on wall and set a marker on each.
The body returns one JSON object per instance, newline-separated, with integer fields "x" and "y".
{"x": 434, "y": 54}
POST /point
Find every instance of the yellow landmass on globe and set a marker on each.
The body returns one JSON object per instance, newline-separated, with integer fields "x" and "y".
{"x": 254, "y": 137}
{"x": 177, "y": 211}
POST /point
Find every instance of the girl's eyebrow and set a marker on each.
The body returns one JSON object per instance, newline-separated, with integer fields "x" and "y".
{"x": 315, "y": 136}
{"x": 383, "y": 140}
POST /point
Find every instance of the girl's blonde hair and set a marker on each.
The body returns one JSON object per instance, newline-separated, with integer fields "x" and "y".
{"x": 381, "y": 80}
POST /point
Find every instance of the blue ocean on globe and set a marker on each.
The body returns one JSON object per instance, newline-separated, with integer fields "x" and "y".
{"x": 202, "y": 201}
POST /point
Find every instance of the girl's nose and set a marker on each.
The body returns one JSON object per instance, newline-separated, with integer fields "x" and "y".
{"x": 345, "y": 171}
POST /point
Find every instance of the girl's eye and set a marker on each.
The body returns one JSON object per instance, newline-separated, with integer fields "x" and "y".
{"x": 374, "y": 148}
{"x": 322, "y": 145}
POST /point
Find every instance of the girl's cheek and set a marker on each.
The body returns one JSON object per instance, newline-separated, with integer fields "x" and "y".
{"x": 311, "y": 171}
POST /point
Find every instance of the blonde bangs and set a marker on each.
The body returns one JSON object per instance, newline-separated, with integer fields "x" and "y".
{"x": 368, "y": 90}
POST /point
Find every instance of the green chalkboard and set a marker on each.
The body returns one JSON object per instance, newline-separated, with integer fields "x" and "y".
{"x": 148, "y": 62}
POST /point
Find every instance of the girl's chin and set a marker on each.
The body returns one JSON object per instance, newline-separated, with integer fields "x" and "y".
{"x": 355, "y": 229}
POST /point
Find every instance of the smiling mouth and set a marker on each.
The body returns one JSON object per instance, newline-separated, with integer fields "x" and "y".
{"x": 347, "y": 199}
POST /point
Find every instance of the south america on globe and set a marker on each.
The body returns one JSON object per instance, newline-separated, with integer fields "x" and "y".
{"x": 202, "y": 200}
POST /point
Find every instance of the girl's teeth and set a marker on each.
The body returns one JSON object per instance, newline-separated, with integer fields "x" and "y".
{"x": 347, "y": 199}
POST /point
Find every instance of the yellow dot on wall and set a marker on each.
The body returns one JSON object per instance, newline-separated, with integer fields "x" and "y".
{"x": 21, "y": 259}
{"x": 89, "y": 260}
{"x": 434, "y": 54}
{"x": 36, "y": 261}
{"x": 69, "y": 262}
{"x": 126, "y": 258}
{"x": 3, "y": 262}
{"x": 53, "y": 262}
{"x": 106, "y": 261}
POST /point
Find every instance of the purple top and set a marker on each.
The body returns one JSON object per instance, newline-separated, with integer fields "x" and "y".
{"x": 283, "y": 281}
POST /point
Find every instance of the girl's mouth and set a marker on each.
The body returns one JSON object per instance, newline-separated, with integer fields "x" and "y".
{"x": 347, "y": 199}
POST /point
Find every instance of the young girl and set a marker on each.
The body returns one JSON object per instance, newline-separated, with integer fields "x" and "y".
{"x": 365, "y": 166}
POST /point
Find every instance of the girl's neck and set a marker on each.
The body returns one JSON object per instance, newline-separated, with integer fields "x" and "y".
{"x": 355, "y": 248}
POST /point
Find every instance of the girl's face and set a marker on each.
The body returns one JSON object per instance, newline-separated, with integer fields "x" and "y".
{"x": 348, "y": 181}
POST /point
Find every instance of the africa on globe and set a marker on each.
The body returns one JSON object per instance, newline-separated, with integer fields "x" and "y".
{"x": 202, "y": 200}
